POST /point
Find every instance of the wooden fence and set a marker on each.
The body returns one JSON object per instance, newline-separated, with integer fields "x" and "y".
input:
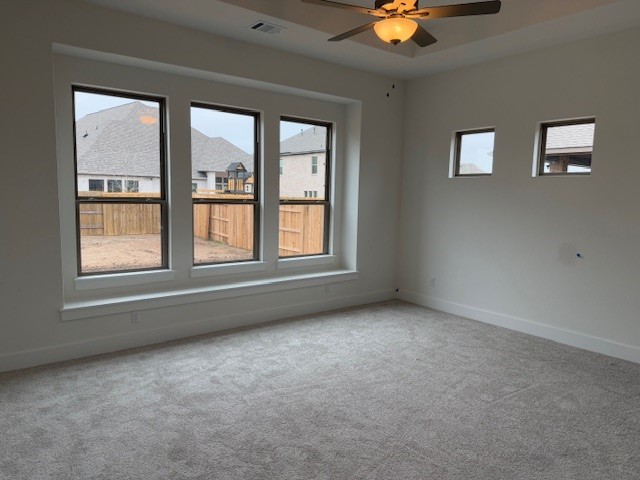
{"x": 119, "y": 218}
{"x": 301, "y": 229}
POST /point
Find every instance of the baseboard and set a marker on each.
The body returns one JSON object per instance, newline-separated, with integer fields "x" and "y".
{"x": 560, "y": 335}
{"x": 122, "y": 341}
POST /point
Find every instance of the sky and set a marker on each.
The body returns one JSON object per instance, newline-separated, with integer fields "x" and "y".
{"x": 236, "y": 128}
{"x": 477, "y": 148}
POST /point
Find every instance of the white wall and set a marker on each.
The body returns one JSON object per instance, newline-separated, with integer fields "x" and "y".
{"x": 503, "y": 249}
{"x": 30, "y": 260}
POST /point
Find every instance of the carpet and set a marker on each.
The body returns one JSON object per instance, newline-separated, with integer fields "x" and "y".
{"x": 383, "y": 391}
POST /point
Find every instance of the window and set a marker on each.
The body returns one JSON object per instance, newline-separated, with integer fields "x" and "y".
{"x": 304, "y": 194}
{"x": 96, "y": 185}
{"x": 131, "y": 186}
{"x": 194, "y": 187}
{"x": 114, "y": 186}
{"x": 224, "y": 145}
{"x": 566, "y": 147}
{"x": 119, "y": 135}
{"x": 473, "y": 152}
{"x": 281, "y": 166}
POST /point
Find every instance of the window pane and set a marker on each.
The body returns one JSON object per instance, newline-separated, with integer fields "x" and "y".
{"x": 96, "y": 185}
{"x": 117, "y": 138}
{"x": 222, "y": 233}
{"x": 116, "y": 236}
{"x": 568, "y": 148}
{"x": 475, "y": 153}
{"x": 301, "y": 230}
{"x": 303, "y": 152}
{"x": 222, "y": 154}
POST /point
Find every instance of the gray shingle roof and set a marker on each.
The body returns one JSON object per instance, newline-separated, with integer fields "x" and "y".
{"x": 575, "y": 137}
{"x": 215, "y": 154}
{"x": 470, "y": 169}
{"x": 312, "y": 139}
{"x": 125, "y": 140}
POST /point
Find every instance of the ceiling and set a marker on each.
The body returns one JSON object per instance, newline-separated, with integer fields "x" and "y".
{"x": 522, "y": 25}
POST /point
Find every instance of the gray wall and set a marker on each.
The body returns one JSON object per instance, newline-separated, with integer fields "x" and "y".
{"x": 31, "y": 292}
{"x": 503, "y": 249}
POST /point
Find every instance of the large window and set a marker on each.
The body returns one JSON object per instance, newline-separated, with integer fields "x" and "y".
{"x": 566, "y": 147}
{"x": 304, "y": 192}
{"x": 119, "y": 137}
{"x": 224, "y": 168}
{"x": 474, "y": 152}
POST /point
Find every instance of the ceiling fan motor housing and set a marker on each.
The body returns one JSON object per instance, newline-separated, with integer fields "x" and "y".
{"x": 380, "y": 3}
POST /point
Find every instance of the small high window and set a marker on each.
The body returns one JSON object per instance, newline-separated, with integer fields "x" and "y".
{"x": 314, "y": 165}
{"x": 566, "y": 147}
{"x": 473, "y": 152}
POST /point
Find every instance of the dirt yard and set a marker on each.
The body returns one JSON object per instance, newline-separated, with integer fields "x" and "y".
{"x": 127, "y": 252}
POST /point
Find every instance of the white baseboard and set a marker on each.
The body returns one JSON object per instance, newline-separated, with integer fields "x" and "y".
{"x": 122, "y": 341}
{"x": 560, "y": 335}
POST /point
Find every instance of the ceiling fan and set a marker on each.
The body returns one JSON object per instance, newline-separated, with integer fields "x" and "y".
{"x": 396, "y": 18}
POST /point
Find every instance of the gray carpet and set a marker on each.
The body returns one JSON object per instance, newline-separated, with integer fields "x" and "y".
{"x": 384, "y": 391}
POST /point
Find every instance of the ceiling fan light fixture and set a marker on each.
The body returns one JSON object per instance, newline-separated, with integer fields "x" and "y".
{"x": 395, "y": 29}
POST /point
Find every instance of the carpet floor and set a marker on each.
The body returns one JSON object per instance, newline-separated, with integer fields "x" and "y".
{"x": 383, "y": 391}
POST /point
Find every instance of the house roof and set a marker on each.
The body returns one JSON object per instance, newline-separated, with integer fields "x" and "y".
{"x": 470, "y": 169}
{"x": 214, "y": 154}
{"x": 311, "y": 140}
{"x": 570, "y": 138}
{"x": 129, "y": 143}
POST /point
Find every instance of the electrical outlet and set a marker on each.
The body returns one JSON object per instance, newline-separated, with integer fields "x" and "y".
{"x": 433, "y": 281}
{"x": 135, "y": 317}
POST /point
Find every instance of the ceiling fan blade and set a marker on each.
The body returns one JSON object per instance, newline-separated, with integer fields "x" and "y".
{"x": 460, "y": 10}
{"x": 345, "y": 6}
{"x": 353, "y": 32}
{"x": 423, "y": 38}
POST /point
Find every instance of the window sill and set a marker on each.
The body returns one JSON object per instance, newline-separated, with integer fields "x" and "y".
{"x": 123, "y": 279}
{"x": 298, "y": 262}
{"x": 129, "y": 303}
{"x": 227, "y": 268}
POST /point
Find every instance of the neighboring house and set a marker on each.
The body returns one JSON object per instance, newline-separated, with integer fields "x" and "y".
{"x": 131, "y": 164}
{"x": 470, "y": 169}
{"x": 302, "y": 164}
{"x": 569, "y": 148}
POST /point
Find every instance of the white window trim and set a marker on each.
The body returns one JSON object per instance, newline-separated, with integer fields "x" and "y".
{"x": 202, "y": 271}
{"x": 310, "y": 261}
{"x": 117, "y": 292}
{"x": 127, "y": 279}
{"x": 124, "y": 304}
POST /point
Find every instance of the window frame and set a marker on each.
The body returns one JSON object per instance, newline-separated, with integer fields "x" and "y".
{"x": 458, "y": 150}
{"x": 161, "y": 200}
{"x": 257, "y": 165}
{"x": 327, "y": 187}
{"x": 542, "y": 141}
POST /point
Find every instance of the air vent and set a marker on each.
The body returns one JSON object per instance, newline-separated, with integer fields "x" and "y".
{"x": 265, "y": 27}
